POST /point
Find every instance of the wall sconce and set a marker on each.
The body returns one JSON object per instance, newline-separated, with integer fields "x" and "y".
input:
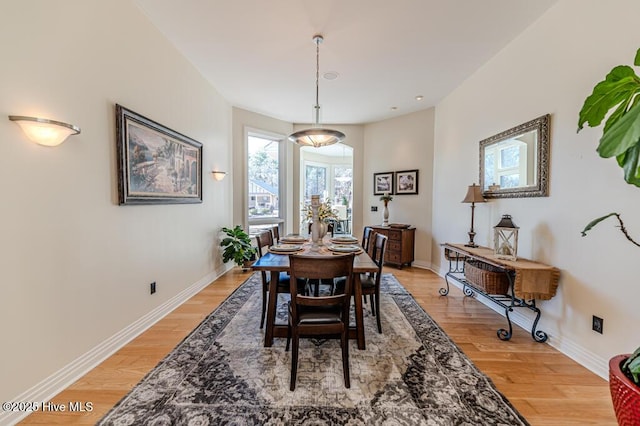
{"x": 43, "y": 131}
{"x": 217, "y": 175}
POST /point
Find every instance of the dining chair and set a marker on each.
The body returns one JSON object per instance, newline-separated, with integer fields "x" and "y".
{"x": 264, "y": 240}
{"x": 370, "y": 283}
{"x": 324, "y": 316}
{"x": 366, "y": 234}
{"x": 275, "y": 230}
{"x": 330, "y": 228}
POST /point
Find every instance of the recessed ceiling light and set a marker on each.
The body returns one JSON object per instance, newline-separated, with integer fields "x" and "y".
{"x": 330, "y": 75}
{"x": 419, "y": 98}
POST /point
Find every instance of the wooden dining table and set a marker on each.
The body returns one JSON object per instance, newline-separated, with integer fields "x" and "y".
{"x": 274, "y": 263}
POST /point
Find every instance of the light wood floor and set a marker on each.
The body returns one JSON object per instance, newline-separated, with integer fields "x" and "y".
{"x": 546, "y": 387}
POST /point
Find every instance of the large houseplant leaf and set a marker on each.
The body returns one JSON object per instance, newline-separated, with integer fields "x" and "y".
{"x": 619, "y": 87}
{"x": 619, "y": 96}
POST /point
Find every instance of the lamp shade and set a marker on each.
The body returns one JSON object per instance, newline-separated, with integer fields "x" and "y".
{"x": 43, "y": 131}
{"x": 317, "y": 137}
{"x": 474, "y": 195}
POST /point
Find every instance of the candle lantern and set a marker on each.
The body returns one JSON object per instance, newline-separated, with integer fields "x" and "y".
{"x": 505, "y": 239}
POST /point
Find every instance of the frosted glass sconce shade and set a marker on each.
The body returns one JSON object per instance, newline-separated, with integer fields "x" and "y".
{"x": 43, "y": 131}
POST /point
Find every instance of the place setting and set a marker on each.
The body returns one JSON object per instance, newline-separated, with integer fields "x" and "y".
{"x": 344, "y": 248}
{"x": 344, "y": 239}
{"x": 294, "y": 239}
{"x": 285, "y": 248}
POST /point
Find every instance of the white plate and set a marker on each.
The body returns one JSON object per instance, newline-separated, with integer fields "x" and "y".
{"x": 345, "y": 248}
{"x": 285, "y": 248}
{"x": 344, "y": 240}
{"x": 294, "y": 239}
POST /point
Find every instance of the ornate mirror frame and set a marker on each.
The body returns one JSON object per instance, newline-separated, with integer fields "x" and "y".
{"x": 539, "y": 188}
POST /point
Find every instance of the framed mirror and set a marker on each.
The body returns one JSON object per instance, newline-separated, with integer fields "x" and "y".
{"x": 515, "y": 163}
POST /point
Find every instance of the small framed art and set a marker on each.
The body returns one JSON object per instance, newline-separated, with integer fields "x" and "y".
{"x": 382, "y": 182}
{"x": 406, "y": 182}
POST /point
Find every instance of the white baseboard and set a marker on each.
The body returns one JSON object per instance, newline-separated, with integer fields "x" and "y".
{"x": 63, "y": 378}
{"x": 563, "y": 344}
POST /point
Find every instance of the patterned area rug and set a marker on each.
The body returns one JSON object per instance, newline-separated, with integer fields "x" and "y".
{"x": 411, "y": 374}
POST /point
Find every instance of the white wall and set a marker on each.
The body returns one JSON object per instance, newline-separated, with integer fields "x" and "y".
{"x": 75, "y": 267}
{"x": 402, "y": 143}
{"x": 551, "y": 68}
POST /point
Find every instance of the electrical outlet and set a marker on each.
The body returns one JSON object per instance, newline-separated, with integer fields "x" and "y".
{"x": 597, "y": 324}
{"x": 152, "y": 287}
{"x": 374, "y": 208}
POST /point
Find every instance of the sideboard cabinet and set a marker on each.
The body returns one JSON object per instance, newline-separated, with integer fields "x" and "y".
{"x": 400, "y": 245}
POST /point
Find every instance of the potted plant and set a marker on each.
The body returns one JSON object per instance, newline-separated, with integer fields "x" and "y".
{"x": 237, "y": 247}
{"x": 619, "y": 91}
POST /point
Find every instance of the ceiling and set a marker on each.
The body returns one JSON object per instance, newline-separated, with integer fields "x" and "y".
{"x": 261, "y": 57}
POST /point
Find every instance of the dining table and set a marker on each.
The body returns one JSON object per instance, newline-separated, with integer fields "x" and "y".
{"x": 275, "y": 261}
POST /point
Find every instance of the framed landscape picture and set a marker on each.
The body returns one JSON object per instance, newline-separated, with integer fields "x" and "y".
{"x": 156, "y": 165}
{"x": 406, "y": 182}
{"x": 382, "y": 182}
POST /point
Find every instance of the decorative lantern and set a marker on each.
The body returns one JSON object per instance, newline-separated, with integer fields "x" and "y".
{"x": 505, "y": 239}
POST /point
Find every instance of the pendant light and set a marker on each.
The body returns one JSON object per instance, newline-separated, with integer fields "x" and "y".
{"x": 317, "y": 136}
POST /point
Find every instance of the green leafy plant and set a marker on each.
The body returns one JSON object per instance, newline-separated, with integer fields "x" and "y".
{"x": 237, "y": 246}
{"x": 621, "y": 134}
{"x": 386, "y": 197}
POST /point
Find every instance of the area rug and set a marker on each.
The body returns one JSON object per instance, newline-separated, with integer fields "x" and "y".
{"x": 411, "y": 374}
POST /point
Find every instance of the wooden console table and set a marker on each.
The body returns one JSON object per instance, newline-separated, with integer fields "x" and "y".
{"x": 528, "y": 281}
{"x": 400, "y": 244}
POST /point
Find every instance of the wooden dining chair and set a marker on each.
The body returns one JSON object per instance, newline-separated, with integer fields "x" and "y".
{"x": 366, "y": 234}
{"x": 275, "y": 230}
{"x": 325, "y": 316}
{"x": 264, "y": 240}
{"x": 370, "y": 283}
{"x": 330, "y": 228}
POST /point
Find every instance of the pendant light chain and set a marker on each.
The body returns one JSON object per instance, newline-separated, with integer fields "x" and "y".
{"x": 317, "y": 106}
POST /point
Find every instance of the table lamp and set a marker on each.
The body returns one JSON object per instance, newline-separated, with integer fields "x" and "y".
{"x": 474, "y": 195}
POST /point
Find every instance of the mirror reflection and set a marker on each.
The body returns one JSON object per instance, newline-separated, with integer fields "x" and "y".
{"x": 514, "y": 163}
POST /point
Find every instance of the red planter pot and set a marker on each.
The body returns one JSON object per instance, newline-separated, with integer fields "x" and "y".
{"x": 624, "y": 393}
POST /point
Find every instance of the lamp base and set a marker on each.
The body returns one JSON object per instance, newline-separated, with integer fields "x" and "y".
{"x": 471, "y": 243}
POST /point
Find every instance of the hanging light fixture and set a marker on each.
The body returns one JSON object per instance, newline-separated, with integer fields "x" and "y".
{"x": 317, "y": 136}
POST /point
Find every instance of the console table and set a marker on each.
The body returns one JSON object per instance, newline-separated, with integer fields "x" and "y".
{"x": 528, "y": 281}
{"x": 400, "y": 244}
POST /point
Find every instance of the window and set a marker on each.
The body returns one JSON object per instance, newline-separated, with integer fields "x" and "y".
{"x": 506, "y": 164}
{"x": 264, "y": 154}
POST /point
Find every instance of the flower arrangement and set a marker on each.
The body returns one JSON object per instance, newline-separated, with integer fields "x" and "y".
{"x": 325, "y": 212}
{"x": 386, "y": 197}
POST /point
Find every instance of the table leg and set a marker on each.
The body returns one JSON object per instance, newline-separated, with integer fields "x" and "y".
{"x": 271, "y": 308}
{"x": 357, "y": 296}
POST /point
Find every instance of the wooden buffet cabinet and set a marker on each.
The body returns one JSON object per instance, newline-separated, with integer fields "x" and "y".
{"x": 400, "y": 245}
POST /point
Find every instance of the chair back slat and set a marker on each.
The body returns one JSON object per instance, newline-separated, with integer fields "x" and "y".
{"x": 313, "y": 267}
{"x": 264, "y": 240}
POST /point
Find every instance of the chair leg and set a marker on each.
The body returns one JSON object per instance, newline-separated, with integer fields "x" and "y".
{"x": 344, "y": 341}
{"x": 294, "y": 360}
{"x": 377, "y": 299}
{"x": 264, "y": 306}
{"x": 286, "y": 349}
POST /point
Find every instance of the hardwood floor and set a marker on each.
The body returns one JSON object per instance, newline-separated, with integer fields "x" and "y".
{"x": 547, "y": 387}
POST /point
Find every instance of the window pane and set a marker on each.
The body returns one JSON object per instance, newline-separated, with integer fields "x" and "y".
{"x": 510, "y": 181}
{"x": 342, "y": 185}
{"x": 263, "y": 174}
{"x": 316, "y": 181}
{"x": 509, "y": 157}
